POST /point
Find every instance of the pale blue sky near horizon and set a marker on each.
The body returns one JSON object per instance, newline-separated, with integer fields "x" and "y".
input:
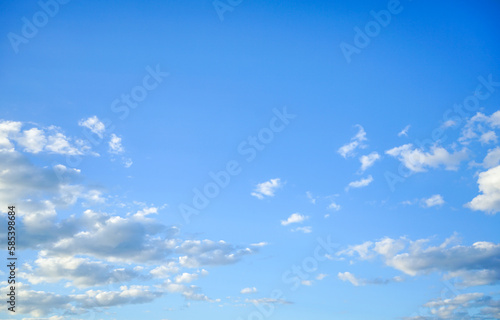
{"x": 373, "y": 152}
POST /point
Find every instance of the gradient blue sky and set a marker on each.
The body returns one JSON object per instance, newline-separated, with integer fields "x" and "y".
{"x": 389, "y": 155}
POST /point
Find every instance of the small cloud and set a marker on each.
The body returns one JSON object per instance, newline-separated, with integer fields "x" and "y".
{"x": 115, "y": 144}
{"x": 348, "y": 149}
{"x": 127, "y": 162}
{"x": 248, "y": 290}
{"x": 267, "y": 188}
{"x": 321, "y": 276}
{"x": 368, "y": 160}
{"x": 448, "y": 124}
{"x": 294, "y": 218}
{"x": 307, "y": 229}
{"x": 404, "y": 132}
{"x": 360, "y": 183}
{"x": 260, "y": 244}
{"x": 334, "y": 206}
{"x": 347, "y": 276}
{"x": 435, "y": 200}
{"x": 94, "y": 125}
{"x": 311, "y": 197}
{"x": 306, "y": 282}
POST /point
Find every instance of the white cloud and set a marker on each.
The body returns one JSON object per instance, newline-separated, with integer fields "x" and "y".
{"x": 435, "y": 200}
{"x": 267, "y": 188}
{"x": 321, "y": 276}
{"x": 481, "y": 259}
{"x": 311, "y": 197}
{"x": 306, "y": 229}
{"x": 306, "y": 282}
{"x": 197, "y": 253}
{"x": 368, "y": 160}
{"x": 42, "y": 304}
{"x": 94, "y": 125}
{"x": 347, "y": 276}
{"x": 165, "y": 270}
{"x": 489, "y": 186}
{"x": 189, "y": 292}
{"x": 334, "y": 206}
{"x": 260, "y": 244}
{"x": 8, "y": 129}
{"x": 248, "y": 290}
{"x": 448, "y": 124}
{"x": 468, "y": 306}
{"x": 294, "y": 218}
{"x": 189, "y": 277}
{"x": 33, "y": 140}
{"x": 82, "y": 272}
{"x": 60, "y": 144}
{"x": 404, "y": 132}
{"x": 347, "y": 150}
{"x": 488, "y": 137}
{"x": 418, "y": 161}
{"x": 115, "y": 144}
{"x": 492, "y": 158}
{"x": 360, "y": 183}
{"x": 478, "y": 127}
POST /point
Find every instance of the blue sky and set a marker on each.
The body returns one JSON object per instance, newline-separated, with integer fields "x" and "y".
{"x": 251, "y": 160}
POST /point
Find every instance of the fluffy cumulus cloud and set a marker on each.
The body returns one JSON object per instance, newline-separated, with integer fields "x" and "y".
{"x": 489, "y": 186}
{"x": 80, "y": 272}
{"x": 356, "y": 142}
{"x": 417, "y": 160}
{"x": 43, "y": 303}
{"x": 477, "y": 264}
{"x": 267, "y": 189}
{"x": 35, "y": 140}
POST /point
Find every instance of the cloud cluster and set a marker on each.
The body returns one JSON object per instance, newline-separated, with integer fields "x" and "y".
{"x": 474, "y": 265}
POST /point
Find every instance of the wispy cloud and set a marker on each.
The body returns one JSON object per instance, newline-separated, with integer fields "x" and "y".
{"x": 348, "y": 149}
{"x": 360, "y": 183}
